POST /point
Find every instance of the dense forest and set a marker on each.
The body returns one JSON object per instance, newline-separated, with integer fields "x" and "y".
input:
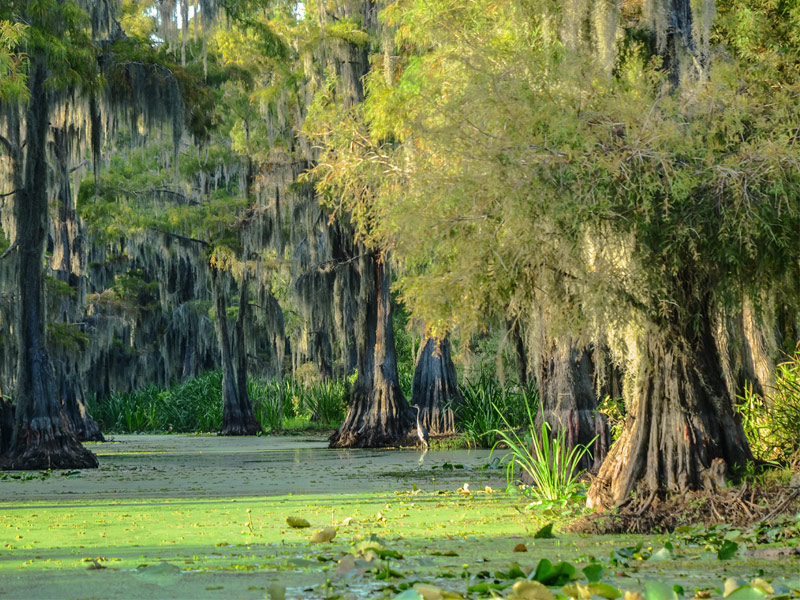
{"x": 599, "y": 199}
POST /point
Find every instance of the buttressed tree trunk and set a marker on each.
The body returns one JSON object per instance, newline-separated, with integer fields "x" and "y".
{"x": 435, "y": 389}
{"x": 43, "y": 438}
{"x": 681, "y": 432}
{"x": 237, "y": 410}
{"x": 379, "y": 415}
{"x": 568, "y": 400}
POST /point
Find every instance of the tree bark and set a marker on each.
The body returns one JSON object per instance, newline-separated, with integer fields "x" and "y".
{"x": 237, "y": 410}
{"x": 568, "y": 400}
{"x": 681, "y": 432}
{"x": 43, "y": 438}
{"x": 379, "y": 415}
{"x": 435, "y": 388}
{"x": 6, "y": 424}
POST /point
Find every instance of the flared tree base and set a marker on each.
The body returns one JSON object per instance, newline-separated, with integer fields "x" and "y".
{"x": 245, "y": 426}
{"x": 38, "y": 451}
{"x": 377, "y": 419}
{"x": 682, "y": 434}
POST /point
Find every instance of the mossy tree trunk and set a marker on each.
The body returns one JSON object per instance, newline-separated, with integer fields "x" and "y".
{"x": 379, "y": 415}
{"x": 435, "y": 388}
{"x": 237, "y": 410}
{"x": 43, "y": 437}
{"x": 681, "y": 432}
{"x": 568, "y": 400}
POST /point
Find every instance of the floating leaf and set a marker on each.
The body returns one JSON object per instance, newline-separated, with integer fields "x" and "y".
{"x": 593, "y": 572}
{"x": 323, "y": 535}
{"x": 429, "y": 592}
{"x": 297, "y": 522}
{"x": 409, "y": 594}
{"x": 544, "y": 533}
{"x": 727, "y": 550}
{"x": 661, "y": 555}
{"x": 746, "y": 592}
{"x": 520, "y": 548}
{"x": 530, "y": 590}
{"x": 658, "y": 590}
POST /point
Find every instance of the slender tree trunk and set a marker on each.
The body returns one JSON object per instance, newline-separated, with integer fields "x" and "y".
{"x": 681, "y": 432}
{"x": 6, "y": 424}
{"x": 379, "y": 415}
{"x": 568, "y": 400}
{"x": 237, "y": 411}
{"x": 435, "y": 389}
{"x": 43, "y": 438}
{"x": 64, "y": 361}
{"x": 521, "y": 356}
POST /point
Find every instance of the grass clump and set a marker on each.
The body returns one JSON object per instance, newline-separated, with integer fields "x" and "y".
{"x": 489, "y": 407}
{"x": 195, "y": 406}
{"x": 551, "y": 465}
{"x": 772, "y": 422}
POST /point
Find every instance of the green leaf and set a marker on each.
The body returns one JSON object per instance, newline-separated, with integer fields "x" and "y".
{"x": 593, "y": 572}
{"x": 661, "y": 555}
{"x": 545, "y": 533}
{"x": 658, "y": 590}
{"x": 727, "y": 550}
{"x": 746, "y": 592}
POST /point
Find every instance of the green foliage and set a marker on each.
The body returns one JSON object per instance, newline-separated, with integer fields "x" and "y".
{"x": 13, "y": 61}
{"x": 195, "y": 406}
{"x": 772, "y": 423}
{"x": 614, "y": 410}
{"x": 489, "y": 407}
{"x": 67, "y": 336}
{"x": 546, "y": 458}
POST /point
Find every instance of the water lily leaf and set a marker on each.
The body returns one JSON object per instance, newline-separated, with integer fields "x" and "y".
{"x": 747, "y": 592}
{"x": 604, "y": 590}
{"x": 297, "y": 522}
{"x": 409, "y": 594}
{"x": 661, "y": 555}
{"x": 429, "y": 592}
{"x": 520, "y": 548}
{"x": 762, "y": 585}
{"x": 555, "y": 575}
{"x": 323, "y": 535}
{"x": 516, "y": 573}
{"x": 658, "y": 590}
{"x": 727, "y": 550}
{"x": 544, "y": 533}
{"x": 530, "y": 590}
{"x": 593, "y": 572}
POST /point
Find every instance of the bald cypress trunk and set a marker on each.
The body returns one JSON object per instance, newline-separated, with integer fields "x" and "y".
{"x": 237, "y": 410}
{"x": 435, "y": 389}
{"x": 568, "y": 400}
{"x": 681, "y": 432}
{"x": 379, "y": 415}
{"x": 43, "y": 437}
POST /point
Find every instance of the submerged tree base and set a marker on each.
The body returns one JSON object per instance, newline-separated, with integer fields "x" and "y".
{"x": 37, "y": 450}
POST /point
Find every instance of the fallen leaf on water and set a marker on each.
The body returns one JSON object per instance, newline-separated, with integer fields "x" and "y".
{"x": 297, "y": 522}
{"x": 323, "y": 535}
{"x": 520, "y": 548}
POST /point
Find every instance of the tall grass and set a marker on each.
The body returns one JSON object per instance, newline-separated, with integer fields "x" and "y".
{"x": 551, "y": 465}
{"x": 489, "y": 407}
{"x": 196, "y": 405}
{"x": 772, "y": 422}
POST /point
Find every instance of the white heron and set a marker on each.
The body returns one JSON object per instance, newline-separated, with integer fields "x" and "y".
{"x": 422, "y": 433}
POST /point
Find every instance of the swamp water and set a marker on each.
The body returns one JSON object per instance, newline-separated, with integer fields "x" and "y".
{"x": 205, "y": 517}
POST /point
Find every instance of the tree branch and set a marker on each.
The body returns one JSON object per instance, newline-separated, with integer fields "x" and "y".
{"x": 184, "y": 238}
{"x": 10, "y": 249}
{"x": 11, "y": 193}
